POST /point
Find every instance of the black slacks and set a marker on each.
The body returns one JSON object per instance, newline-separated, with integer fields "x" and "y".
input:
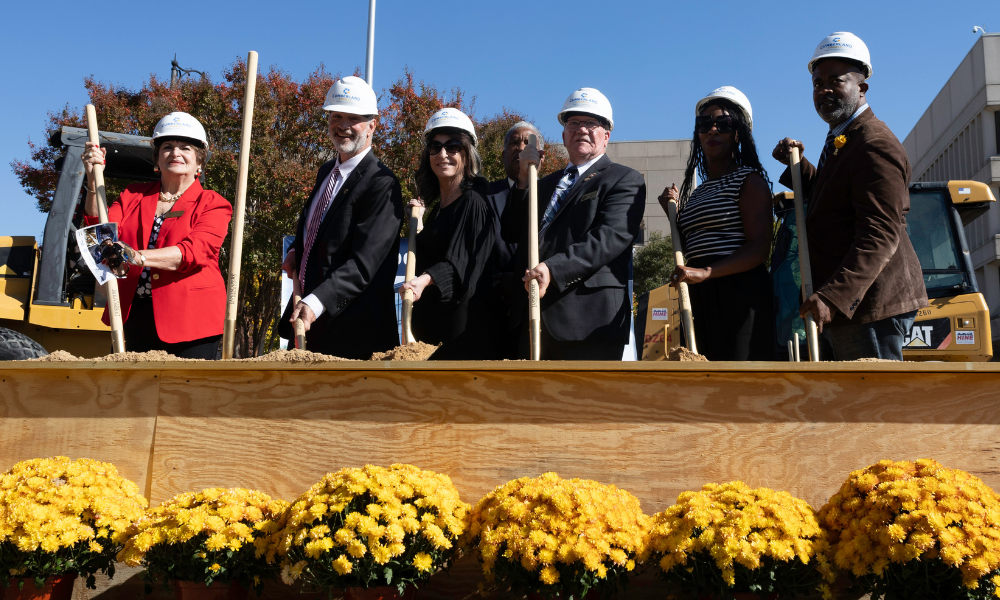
{"x": 553, "y": 349}
{"x": 141, "y": 336}
{"x": 734, "y": 315}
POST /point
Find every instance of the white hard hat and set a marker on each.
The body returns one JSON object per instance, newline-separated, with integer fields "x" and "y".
{"x": 728, "y": 92}
{"x": 451, "y": 117}
{"x": 180, "y": 125}
{"x": 590, "y": 101}
{"x": 351, "y": 95}
{"x": 843, "y": 44}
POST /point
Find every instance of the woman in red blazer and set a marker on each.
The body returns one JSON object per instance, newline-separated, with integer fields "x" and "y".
{"x": 173, "y": 297}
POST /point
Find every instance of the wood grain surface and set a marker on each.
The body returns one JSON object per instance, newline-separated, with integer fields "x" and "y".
{"x": 107, "y": 415}
{"x": 653, "y": 431}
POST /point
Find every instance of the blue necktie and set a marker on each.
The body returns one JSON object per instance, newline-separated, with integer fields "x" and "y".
{"x": 562, "y": 187}
{"x": 826, "y": 151}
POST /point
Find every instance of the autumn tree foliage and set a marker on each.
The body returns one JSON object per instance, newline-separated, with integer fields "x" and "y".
{"x": 289, "y": 144}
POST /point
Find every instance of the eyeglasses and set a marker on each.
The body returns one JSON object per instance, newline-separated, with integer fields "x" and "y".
{"x": 452, "y": 147}
{"x": 574, "y": 125}
{"x": 724, "y": 123}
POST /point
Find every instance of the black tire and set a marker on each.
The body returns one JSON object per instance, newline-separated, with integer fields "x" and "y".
{"x": 17, "y": 346}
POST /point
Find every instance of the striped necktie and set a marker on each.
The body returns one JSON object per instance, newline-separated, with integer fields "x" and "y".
{"x": 315, "y": 222}
{"x": 562, "y": 187}
{"x": 826, "y": 151}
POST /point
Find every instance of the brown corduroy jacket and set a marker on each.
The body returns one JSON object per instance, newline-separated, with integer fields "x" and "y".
{"x": 863, "y": 263}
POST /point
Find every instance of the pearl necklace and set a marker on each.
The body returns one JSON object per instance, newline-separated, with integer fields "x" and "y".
{"x": 170, "y": 197}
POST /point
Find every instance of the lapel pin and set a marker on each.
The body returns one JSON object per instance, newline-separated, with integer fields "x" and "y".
{"x": 838, "y": 143}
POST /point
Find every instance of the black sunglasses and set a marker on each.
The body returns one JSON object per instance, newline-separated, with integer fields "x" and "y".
{"x": 452, "y": 147}
{"x": 724, "y": 123}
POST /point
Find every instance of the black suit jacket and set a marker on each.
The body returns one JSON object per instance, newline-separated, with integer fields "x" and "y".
{"x": 503, "y": 252}
{"x": 587, "y": 249}
{"x": 352, "y": 264}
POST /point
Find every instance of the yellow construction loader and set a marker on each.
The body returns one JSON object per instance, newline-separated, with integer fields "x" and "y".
{"x": 955, "y": 327}
{"x": 47, "y": 298}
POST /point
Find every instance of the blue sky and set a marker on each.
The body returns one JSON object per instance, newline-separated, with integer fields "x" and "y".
{"x": 652, "y": 59}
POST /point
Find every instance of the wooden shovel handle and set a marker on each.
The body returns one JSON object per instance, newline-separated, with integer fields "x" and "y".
{"x": 111, "y": 287}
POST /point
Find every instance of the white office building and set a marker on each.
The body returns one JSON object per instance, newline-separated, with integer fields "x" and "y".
{"x": 661, "y": 163}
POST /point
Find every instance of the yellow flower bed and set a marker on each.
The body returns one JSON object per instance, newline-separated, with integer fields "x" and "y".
{"x": 557, "y": 536}
{"x": 371, "y": 527}
{"x": 894, "y": 513}
{"x": 213, "y": 534}
{"x": 731, "y": 538}
{"x": 61, "y": 516}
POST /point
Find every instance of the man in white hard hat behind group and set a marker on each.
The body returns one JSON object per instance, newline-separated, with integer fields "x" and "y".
{"x": 589, "y": 217}
{"x": 501, "y": 268}
{"x": 866, "y": 274}
{"x": 347, "y": 238}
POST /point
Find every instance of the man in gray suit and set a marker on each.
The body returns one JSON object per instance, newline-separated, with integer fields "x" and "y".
{"x": 589, "y": 217}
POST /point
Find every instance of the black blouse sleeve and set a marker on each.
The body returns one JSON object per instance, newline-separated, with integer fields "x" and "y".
{"x": 469, "y": 244}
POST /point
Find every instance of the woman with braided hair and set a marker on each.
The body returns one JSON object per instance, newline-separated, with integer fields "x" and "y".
{"x": 726, "y": 226}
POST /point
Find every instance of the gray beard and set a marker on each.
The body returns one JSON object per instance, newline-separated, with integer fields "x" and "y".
{"x": 844, "y": 111}
{"x": 351, "y": 146}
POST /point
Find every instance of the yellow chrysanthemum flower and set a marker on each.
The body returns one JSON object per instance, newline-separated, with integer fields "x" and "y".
{"x": 731, "y": 524}
{"x": 894, "y": 512}
{"x": 537, "y": 522}
{"x": 55, "y": 503}
{"x": 373, "y": 511}
{"x": 236, "y": 521}
{"x": 423, "y": 562}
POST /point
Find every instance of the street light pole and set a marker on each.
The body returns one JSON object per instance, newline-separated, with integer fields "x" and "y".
{"x": 370, "y": 56}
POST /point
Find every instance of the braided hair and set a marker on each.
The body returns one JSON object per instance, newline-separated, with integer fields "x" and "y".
{"x": 745, "y": 154}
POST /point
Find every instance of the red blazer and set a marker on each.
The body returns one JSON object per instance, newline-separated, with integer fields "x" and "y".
{"x": 189, "y": 303}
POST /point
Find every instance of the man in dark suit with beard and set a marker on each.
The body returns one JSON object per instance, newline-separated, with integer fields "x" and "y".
{"x": 589, "y": 215}
{"x": 347, "y": 239}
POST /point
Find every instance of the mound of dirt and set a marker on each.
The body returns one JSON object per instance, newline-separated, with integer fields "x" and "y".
{"x": 151, "y": 356}
{"x": 57, "y": 356}
{"x": 872, "y": 360}
{"x": 129, "y": 357}
{"x": 411, "y": 351}
{"x": 682, "y": 354}
{"x": 294, "y": 356}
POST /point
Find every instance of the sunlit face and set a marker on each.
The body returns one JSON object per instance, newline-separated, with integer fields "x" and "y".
{"x": 585, "y": 138}
{"x": 714, "y": 144}
{"x": 350, "y": 133}
{"x": 447, "y": 163}
{"x": 178, "y": 157}
{"x": 837, "y": 90}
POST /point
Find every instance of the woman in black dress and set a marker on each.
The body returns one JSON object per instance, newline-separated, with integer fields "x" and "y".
{"x": 726, "y": 224}
{"x": 450, "y": 307}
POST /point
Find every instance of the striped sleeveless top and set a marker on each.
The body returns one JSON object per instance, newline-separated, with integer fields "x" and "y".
{"x": 710, "y": 222}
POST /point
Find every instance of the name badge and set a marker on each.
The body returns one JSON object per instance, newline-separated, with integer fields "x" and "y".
{"x": 589, "y": 196}
{"x": 173, "y": 213}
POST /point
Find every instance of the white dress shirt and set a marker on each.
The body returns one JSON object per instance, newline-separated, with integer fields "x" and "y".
{"x": 346, "y": 168}
{"x": 581, "y": 169}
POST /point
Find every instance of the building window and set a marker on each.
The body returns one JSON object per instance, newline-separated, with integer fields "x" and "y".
{"x": 996, "y": 126}
{"x": 641, "y": 238}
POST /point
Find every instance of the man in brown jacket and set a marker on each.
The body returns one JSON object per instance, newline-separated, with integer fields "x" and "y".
{"x": 867, "y": 278}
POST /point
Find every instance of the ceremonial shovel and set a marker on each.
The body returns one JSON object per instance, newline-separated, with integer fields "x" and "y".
{"x": 534, "y": 307}
{"x": 686, "y": 319}
{"x": 239, "y": 212}
{"x": 111, "y": 287}
{"x": 805, "y": 270}
{"x": 411, "y": 272}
